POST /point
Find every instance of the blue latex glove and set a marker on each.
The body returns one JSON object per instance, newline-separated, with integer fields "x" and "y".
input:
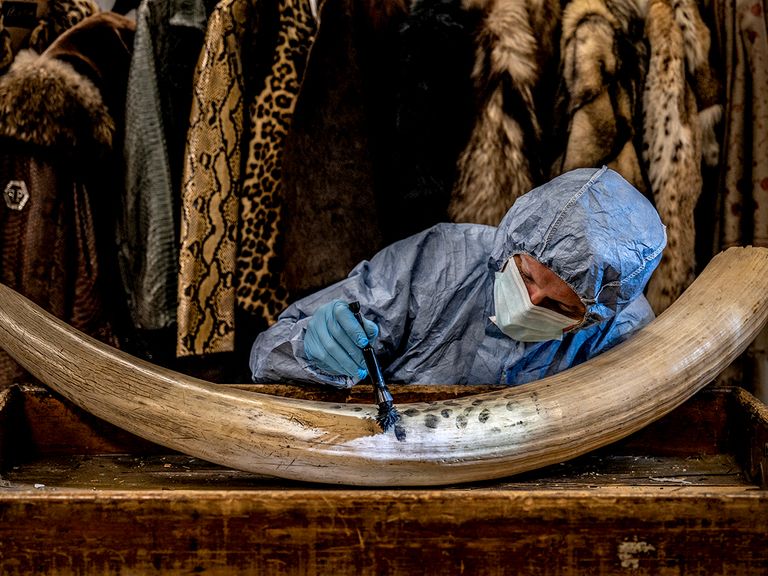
{"x": 334, "y": 340}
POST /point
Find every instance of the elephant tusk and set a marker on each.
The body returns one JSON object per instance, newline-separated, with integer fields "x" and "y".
{"x": 480, "y": 437}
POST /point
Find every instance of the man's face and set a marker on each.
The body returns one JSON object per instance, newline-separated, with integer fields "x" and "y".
{"x": 548, "y": 290}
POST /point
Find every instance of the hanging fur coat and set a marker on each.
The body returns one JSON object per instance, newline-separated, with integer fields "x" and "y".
{"x": 434, "y": 110}
{"x": 59, "y": 114}
{"x": 599, "y": 103}
{"x": 335, "y": 210}
{"x": 740, "y": 207}
{"x": 6, "y": 45}
{"x": 638, "y": 93}
{"x": 515, "y": 50}
{"x": 61, "y": 16}
{"x": 680, "y": 110}
{"x": 261, "y": 292}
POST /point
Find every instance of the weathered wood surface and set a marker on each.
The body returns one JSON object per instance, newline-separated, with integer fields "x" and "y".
{"x": 63, "y": 474}
{"x": 479, "y": 437}
{"x": 378, "y": 532}
{"x": 750, "y": 436}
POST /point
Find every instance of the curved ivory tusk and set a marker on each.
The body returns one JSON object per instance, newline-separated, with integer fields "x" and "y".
{"x": 479, "y": 437}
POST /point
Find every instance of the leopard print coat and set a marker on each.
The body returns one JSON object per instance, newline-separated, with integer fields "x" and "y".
{"x": 260, "y": 287}
{"x": 230, "y": 215}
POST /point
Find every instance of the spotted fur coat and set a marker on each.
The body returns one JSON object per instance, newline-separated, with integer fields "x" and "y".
{"x": 638, "y": 93}
{"x": 243, "y": 96}
{"x": 679, "y": 112}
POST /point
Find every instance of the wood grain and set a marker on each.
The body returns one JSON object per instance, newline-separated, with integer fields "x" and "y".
{"x": 375, "y": 532}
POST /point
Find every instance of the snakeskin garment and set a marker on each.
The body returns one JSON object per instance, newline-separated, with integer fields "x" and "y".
{"x": 229, "y": 204}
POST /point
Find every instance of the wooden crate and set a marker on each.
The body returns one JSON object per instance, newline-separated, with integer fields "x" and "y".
{"x": 687, "y": 495}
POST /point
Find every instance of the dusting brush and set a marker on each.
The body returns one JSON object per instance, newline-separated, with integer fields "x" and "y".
{"x": 388, "y": 414}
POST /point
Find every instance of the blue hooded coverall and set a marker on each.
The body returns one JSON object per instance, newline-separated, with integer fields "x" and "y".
{"x": 432, "y": 294}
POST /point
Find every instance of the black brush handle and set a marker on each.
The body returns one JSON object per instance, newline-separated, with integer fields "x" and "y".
{"x": 388, "y": 415}
{"x": 371, "y": 363}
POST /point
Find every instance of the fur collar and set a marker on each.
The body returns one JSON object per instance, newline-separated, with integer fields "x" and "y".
{"x": 45, "y": 102}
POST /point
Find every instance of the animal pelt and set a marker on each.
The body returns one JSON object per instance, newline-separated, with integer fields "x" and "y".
{"x": 514, "y": 45}
{"x": 435, "y": 103}
{"x": 56, "y": 148}
{"x": 672, "y": 131}
{"x": 66, "y": 99}
{"x": 61, "y": 16}
{"x": 602, "y": 68}
{"x": 44, "y": 102}
{"x": 6, "y": 45}
{"x": 100, "y": 48}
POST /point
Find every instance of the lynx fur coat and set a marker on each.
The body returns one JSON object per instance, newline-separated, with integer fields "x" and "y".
{"x": 680, "y": 110}
{"x": 649, "y": 113}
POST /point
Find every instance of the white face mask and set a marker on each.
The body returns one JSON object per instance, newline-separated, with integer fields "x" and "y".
{"x": 517, "y": 317}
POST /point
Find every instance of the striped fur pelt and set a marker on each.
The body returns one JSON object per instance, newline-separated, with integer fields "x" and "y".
{"x": 599, "y": 103}
{"x": 515, "y": 44}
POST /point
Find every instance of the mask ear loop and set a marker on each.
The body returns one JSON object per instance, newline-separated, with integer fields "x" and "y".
{"x": 578, "y": 325}
{"x": 639, "y": 270}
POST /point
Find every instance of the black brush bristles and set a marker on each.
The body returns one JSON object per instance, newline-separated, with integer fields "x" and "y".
{"x": 388, "y": 414}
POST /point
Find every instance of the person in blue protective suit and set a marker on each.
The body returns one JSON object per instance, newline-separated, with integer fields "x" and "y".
{"x": 559, "y": 281}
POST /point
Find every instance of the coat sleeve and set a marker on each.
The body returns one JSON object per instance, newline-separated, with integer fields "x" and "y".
{"x": 387, "y": 288}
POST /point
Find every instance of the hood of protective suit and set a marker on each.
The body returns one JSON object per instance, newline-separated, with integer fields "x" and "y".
{"x": 594, "y": 230}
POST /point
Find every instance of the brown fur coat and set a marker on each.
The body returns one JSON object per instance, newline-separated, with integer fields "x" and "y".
{"x": 56, "y": 140}
{"x": 638, "y": 94}
{"x": 602, "y": 67}
{"x": 514, "y": 47}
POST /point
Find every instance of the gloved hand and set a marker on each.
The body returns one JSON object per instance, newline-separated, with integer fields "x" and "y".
{"x": 334, "y": 340}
